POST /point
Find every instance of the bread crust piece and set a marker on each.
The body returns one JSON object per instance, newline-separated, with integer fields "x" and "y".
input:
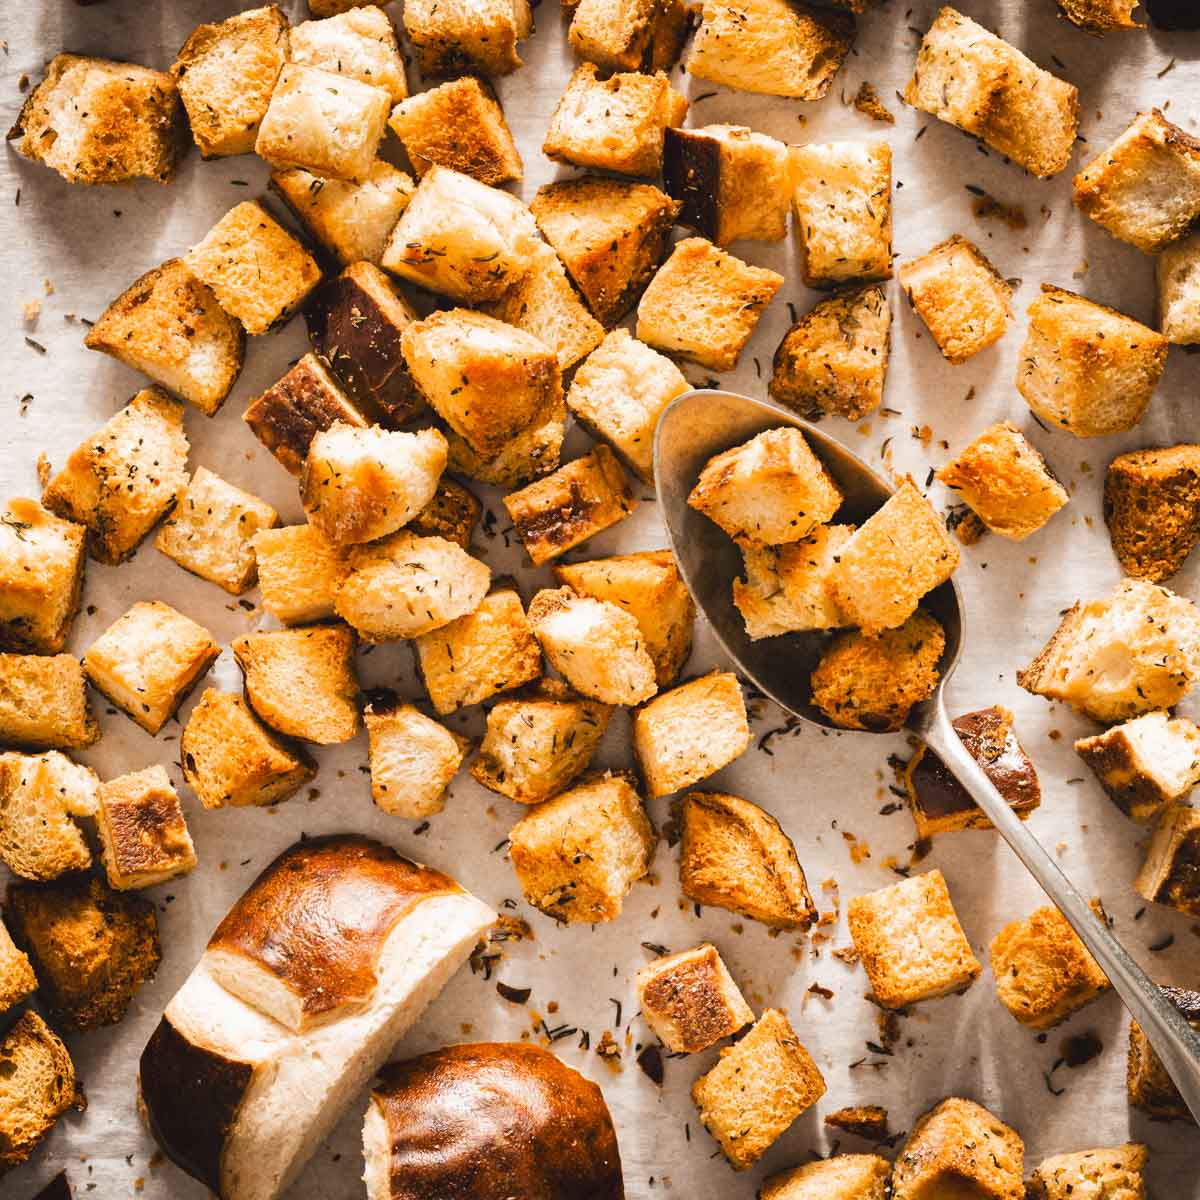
{"x": 44, "y": 703}
{"x": 1147, "y": 1084}
{"x": 1112, "y": 1174}
{"x": 37, "y": 1085}
{"x": 1171, "y": 873}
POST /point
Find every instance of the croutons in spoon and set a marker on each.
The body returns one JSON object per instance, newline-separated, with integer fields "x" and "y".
{"x": 702, "y": 424}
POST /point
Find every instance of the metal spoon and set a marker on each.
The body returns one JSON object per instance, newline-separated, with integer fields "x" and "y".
{"x": 701, "y": 424}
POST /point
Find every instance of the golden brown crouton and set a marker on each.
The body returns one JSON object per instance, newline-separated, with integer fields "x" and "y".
{"x": 532, "y": 453}
{"x": 450, "y": 39}
{"x": 1100, "y": 16}
{"x": 690, "y": 1000}
{"x": 41, "y": 576}
{"x": 17, "y": 980}
{"x": 299, "y": 573}
{"x": 1171, "y": 873}
{"x": 44, "y": 703}
{"x": 144, "y": 837}
{"x": 838, "y": 1177}
{"x": 1178, "y": 276}
{"x": 37, "y": 1085}
{"x": 40, "y": 795}
{"x": 1147, "y": 1084}
{"x": 643, "y": 35}
{"x": 1115, "y": 1172}
{"x": 359, "y": 43}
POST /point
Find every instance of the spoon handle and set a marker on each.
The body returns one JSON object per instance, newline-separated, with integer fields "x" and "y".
{"x": 1168, "y": 1032}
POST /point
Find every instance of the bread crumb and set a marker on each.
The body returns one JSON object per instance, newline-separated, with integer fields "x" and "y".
{"x": 867, "y": 101}
{"x": 32, "y": 309}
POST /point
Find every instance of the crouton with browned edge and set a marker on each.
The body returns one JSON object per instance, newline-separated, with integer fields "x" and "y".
{"x": 1178, "y": 276}
{"x": 44, "y": 703}
{"x": 144, "y": 837}
{"x": 37, "y": 1085}
{"x": 299, "y": 573}
{"x": 452, "y": 40}
{"x": 838, "y": 1177}
{"x": 645, "y": 35}
{"x": 1152, "y": 509}
{"x": 1100, "y": 16}
{"x": 1115, "y": 1172}
{"x": 41, "y": 577}
{"x": 17, "y": 980}
{"x": 690, "y": 1000}
{"x": 41, "y": 795}
{"x": 1147, "y": 1084}
{"x": 1171, "y": 873}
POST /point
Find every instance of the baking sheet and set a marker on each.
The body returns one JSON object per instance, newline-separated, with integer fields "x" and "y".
{"x": 829, "y": 791}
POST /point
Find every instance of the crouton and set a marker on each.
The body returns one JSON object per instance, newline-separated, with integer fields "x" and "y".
{"x": 974, "y": 80}
{"x": 17, "y": 980}
{"x": 734, "y": 855}
{"x": 1006, "y": 482}
{"x": 452, "y": 514}
{"x": 759, "y": 1086}
{"x": 773, "y": 47}
{"x": 460, "y": 238}
{"x": 44, "y": 703}
{"x": 838, "y": 1177}
{"x": 1115, "y": 1172}
{"x": 704, "y": 303}
{"x": 144, "y": 838}
{"x": 230, "y": 759}
{"x": 1134, "y": 651}
{"x": 690, "y": 732}
{"x": 413, "y": 758}
{"x": 1100, "y": 16}
{"x": 41, "y": 577}
{"x": 37, "y": 1085}
{"x": 1152, "y": 509}
{"x": 910, "y": 942}
{"x": 539, "y": 741}
{"x": 97, "y": 121}
{"x": 611, "y": 235}
{"x": 963, "y": 300}
{"x": 899, "y": 554}
{"x": 1085, "y": 367}
{"x": 1147, "y": 1084}
{"x": 459, "y": 125}
{"x": 643, "y": 35}
{"x": 40, "y": 795}
{"x": 301, "y": 681}
{"x": 360, "y": 484}
{"x": 532, "y": 453}
{"x": 359, "y": 43}
{"x": 959, "y": 1146}
{"x": 229, "y": 260}
{"x": 492, "y": 650}
{"x": 731, "y": 182}
{"x": 690, "y": 1000}
{"x": 1177, "y": 270}
{"x": 616, "y": 124}
{"x": 1171, "y": 873}
{"x": 404, "y": 585}
{"x": 226, "y": 73}
{"x": 457, "y": 38}
{"x": 323, "y": 122}
{"x": 1145, "y": 188}
{"x": 577, "y": 856}
{"x": 596, "y": 646}
{"x": 834, "y": 359}
{"x": 331, "y": 8}
{"x": 168, "y": 325}
{"x": 299, "y": 573}
{"x": 122, "y": 479}
{"x": 92, "y": 948}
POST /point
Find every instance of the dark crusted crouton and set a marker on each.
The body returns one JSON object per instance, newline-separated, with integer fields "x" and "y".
{"x": 531, "y": 453}
{"x": 44, "y": 703}
{"x": 451, "y": 41}
{"x": 37, "y": 1085}
{"x": 41, "y": 795}
{"x": 144, "y": 837}
{"x": 1148, "y": 1086}
{"x": 452, "y": 514}
{"x": 41, "y": 576}
{"x": 1171, "y": 873}
{"x": 690, "y": 1000}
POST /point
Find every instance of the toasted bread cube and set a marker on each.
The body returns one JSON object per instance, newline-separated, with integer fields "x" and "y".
{"x": 37, "y": 1085}
{"x": 704, "y": 304}
{"x": 226, "y": 74}
{"x": 456, "y": 38}
{"x": 299, "y": 573}
{"x": 611, "y": 235}
{"x": 1115, "y": 1172}
{"x": 148, "y": 660}
{"x": 229, "y": 758}
{"x": 1100, "y": 16}
{"x": 959, "y": 1146}
{"x": 690, "y": 1000}
{"x": 97, "y": 121}
{"x": 459, "y": 125}
{"x": 833, "y": 360}
{"x": 211, "y": 531}
{"x": 1148, "y": 1086}
{"x": 452, "y": 514}
{"x": 910, "y": 942}
{"x": 770, "y": 46}
{"x": 616, "y": 124}
{"x": 1130, "y": 653}
{"x": 413, "y": 758}
{"x": 577, "y": 856}
{"x": 838, "y": 1177}
{"x": 1169, "y": 875}
{"x": 230, "y": 260}
{"x": 40, "y": 794}
{"x": 122, "y": 479}
{"x": 17, "y": 980}
{"x": 735, "y": 855}
{"x": 643, "y": 35}
{"x": 539, "y": 741}
{"x": 1178, "y": 273}
{"x": 144, "y": 837}
{"x": 44, "y": 703}
{"x": 532, "y": 453}
{"x": 974, "y": 80}
{"x": 41, "y": 577}
{"x": 359, "y": 43}
{"x": 579, "y": 500}
{"x": 690, "y": 732}
{"x": 1152, "y": 509}
{"x": 771, "y": 489}
{"x": 169, "y": 326}
{"x": 759, "y": 1086}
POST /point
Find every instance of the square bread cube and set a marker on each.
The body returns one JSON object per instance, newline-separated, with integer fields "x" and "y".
{"x": 301, "y": 681}
{"x": 690, "y": 732}
{"x": 97, "y": 121}
{"x": 910, "y": 942}
{"x": 1115, "y": 1172}
{"x": 616, "y": 124}
{"x": 148, "y": 660}
{"x": 1147, "y": 1084}
{"x": 37, "y": 1087}
{"x": 413, "y": 758}
{"x": 359, "y": 43}
{"x": 577, "y": 856}
{"x": 1171, "y": 873}
{"x": 44, "y": 703}
{"x": 1152, "y": 509}
{"x": 17, "y": 980}
{"x": 963, "y": 300}
{"x": 1178, "y": 273}
{"x": 1088, "y": 368}
{"x": 492, "y": 650}
{"x": 459, "y": 38}
{"x": 230, "y": 758}
{"x": 299, "y": 573}
{"x": 452, "y": 514}
{"x": 144, "y": 837}
{"x": 168, "y": 325}
{"x": 40, "y": 797}
{"x": 531, "y": 454}
{"x": 1006, "y": 482}
{"x": 704, "y": 303}
{"x": 842, "y": 194}
{"x": 759, "y": 1086}
{"x": 690, "y": 1000}
{"x": 41, "y": 577}
{"x": 229, "y": 259}
{"x": 643, "y": 35}
{"x": 211, "y": 531}
{"x": 838, "y": 1177}
{"x": 122, "y": 479}
{"x": 226, "y": 73}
